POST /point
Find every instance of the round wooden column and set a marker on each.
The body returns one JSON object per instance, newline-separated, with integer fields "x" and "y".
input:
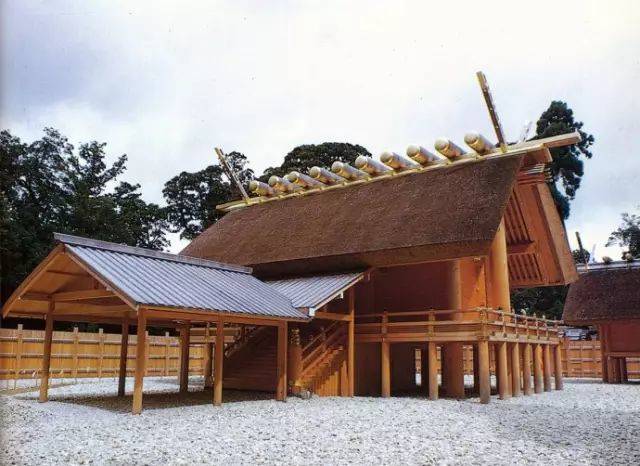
{"x": 503, "y": 373}
{"x": 453, "y": 355}
{"x": 547, "y": 368}
{"x": 526, "y": 370}
{"x": 515, "y": 369}
{"x": 294, "y": 360}
{"x": 537, "y": 368}
{"x": 558, "y": 366}
{"x": 484, "y": 374}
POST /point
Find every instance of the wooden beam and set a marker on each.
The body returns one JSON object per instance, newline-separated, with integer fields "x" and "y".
{"x": 526, "y": 370}
{"x": 218, "y": 363}
{"x": 82, "y": 295}
{"x": 124, "y": 347}
{"x": 140, "y": 361}
{"x": 557, "y": 353}
{"x": 484, "y": 374}
{"x": 332, "y": 316}
{"x": 537, "y": 368}
{"x": 281, "y": 363}
{"x": 69, "y": 274}
{"x": 351, "y": 342}
{"x": 200, "y": 315}
{"x": 433, "y": 370}
{"x": 46, "y": 355}
{"x": 521, "y": 248}
{"x": 185, "y": 337}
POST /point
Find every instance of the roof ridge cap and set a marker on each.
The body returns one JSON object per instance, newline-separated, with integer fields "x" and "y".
{"x": 149, "y": 253}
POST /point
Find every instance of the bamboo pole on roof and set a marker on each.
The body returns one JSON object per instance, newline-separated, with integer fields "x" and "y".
{"x": 325, "y": 176}
{"x": 261, "y": 189}
{"x": 398, "y": 162}
{"x": 371, "y": 166}
{"x": 283, "y": 185}
{"x": 448, "y": 148}
{"x": 302, "y": 180}
{"x": 124, "y": 347}
{"x": 478, "y": 143}
{"x": 424, "y": 156}
{"x": 46, "y": 354}
{"x": 348, "y": 172}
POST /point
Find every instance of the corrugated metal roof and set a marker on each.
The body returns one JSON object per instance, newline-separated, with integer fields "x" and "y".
{"x": 162, "y": 279}
{"x": 313, "y": 292}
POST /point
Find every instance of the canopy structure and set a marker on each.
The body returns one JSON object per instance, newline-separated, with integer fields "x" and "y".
{"x": 404, "y": 216}
{"x": 85, "y": 280}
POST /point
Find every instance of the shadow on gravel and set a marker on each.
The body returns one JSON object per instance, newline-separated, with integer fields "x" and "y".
{"x": 153, "y": 401}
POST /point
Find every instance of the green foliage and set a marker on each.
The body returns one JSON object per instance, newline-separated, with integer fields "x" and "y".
{"x": 567, "y": 166}
{"x": 302, "y": 158}
{"x": 48, "y": 186}
{"x": 580, "y": 256}
{"x": 548, "y": 301}
{"x": 192, "y": 197}
{"x": 627, "y": 235}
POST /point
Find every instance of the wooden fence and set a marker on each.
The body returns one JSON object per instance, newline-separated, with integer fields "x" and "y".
{"x": 75, "y": 354}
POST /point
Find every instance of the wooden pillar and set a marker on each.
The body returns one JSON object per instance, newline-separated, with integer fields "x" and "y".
{"x": 185, "y": 340}
{"x": 385, "y": 366}
{"x": 124, "y": 347}
{"x": 498, "y": 272}
{"x": 624, "y": 375}
{"x": 526, "y": 370}
{"x": 281, "y": 390}
{"x": 476, "y": 367}
{"x": 46, "y": 354}
{"x": 557, "y": 353}
{"x": 547, "y": 368}
{"x": 351, "y": 342}
{"x": 496, "y": 358}
{"x": 453, "y": 356}
{"x": 432, "y": 364}
{"x": 537, "y": 368}
{"x": 207, "y": 360}
{"x": 603, "y": 354}
{"x": 218, "y": 362}
{"x": 294, "y": 362}
{"x": 515, "y": 370}
{"x": 503, "y": 373}
{"x": 140, "y": 361}
{"x": 484, "y": 373}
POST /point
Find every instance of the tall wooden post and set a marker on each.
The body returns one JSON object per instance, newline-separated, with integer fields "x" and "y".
{"x": 558, "y": 366}
{"x": 476, "y": 368}
{"x": 281, "y": 389}
{"x": 537, "y": 368}
{"x": 218, "y": 362}
{"x": 484, "y": 374}
{"x": 624, "y": 375}
{"x": 351, "y": 342}
{"x": 207, "y": 361}
{"x": 453, "y": 356}
{"x": 46, "y": 354}
{"x": 141, "y": 361}
{"x": 432, "y": 355}
{"x": 546, "y": 368}
{"x": 515, "y": 369}
{"x": 294, "y": 362}
{"x": 385, "y": 367}
{"x": 603, "y": 354}
{"x": 503, "y": 373}
{"x": 124, "y": 346}
{"x": 185, "y": 340}
{"x": 498, "y": 272}
{"x": 526, "y": 370}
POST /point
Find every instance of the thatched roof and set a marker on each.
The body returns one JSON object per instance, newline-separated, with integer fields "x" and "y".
{"x": 430, "y": 215}
{"x": 611, "y": 293}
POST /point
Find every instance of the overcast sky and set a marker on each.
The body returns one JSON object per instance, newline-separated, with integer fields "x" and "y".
{"x": 166, "y": 82}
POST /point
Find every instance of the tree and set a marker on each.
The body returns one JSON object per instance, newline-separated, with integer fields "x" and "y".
{"x": 627, "y": 235}
{"x": 580, "y": 256}
{"x": 192, "y": 197}
{"x": 302, "y": 158}
{"x": 47, "y": 186}
{"x": 547, "y": 301}
{"x": 567, "y": 165}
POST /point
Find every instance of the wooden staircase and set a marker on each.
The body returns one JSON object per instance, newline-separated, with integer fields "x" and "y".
{"x": 324, "y": 362}
{"x": 251, "y": 363}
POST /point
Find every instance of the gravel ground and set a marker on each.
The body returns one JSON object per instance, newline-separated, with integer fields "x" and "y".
{"x": 587, "y": 423}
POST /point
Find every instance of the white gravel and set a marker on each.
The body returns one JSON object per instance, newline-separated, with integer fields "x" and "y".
{"x": 587, "y": 423}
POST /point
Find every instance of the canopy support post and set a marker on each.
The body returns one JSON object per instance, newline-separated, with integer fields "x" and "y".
{"x": 218, "y": 360}
{"x": 281, "y": 363}
{"x": 185, "y": 336}
{"x": 124, "y": 347}
{"x": 433, "y": 369}
{"x": 46, "y": 357}
{"x": 140, "y": 361}
{"x": 351, "y": 342}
